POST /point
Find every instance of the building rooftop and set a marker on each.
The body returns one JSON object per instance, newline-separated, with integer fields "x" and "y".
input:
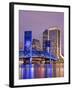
{"x": 54, "y": 28}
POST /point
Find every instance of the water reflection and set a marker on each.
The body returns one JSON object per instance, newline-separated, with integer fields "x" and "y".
{"x": 29, "y": 71}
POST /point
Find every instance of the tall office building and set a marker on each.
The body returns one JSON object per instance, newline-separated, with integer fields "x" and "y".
{"x": 36, "y": 44}
{"x": 54, "y": 37}
{"x": 45, "y": 38}
{"x": 28, "y": 41}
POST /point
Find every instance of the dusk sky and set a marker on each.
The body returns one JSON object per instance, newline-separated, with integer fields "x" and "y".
{"x": 38, "y": 21}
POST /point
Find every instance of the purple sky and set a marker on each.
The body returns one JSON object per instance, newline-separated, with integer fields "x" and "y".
{"x": 38, "y": 21}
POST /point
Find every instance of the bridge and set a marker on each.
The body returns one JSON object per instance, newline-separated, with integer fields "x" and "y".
{"x": 35, "y": 53}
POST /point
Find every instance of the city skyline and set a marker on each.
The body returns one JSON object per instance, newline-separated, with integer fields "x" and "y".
{"x": 36, "y": 63}
{"x": 38, "y": 21}
{"x": 51, "y": 41}
{"x": 47, "y": 36}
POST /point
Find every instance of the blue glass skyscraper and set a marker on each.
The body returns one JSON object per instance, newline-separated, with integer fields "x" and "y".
{"x": 28, "y": 51}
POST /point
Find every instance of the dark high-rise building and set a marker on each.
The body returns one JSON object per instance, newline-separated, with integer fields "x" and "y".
{"x": 36, "y": 44}
{"x": 45, "y": 38}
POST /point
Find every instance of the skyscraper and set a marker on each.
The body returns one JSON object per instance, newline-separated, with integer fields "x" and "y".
{"x": 28, "y": 41}
{"x": 45, "y": 38}
{"x": 36, "y": 44}
{"x": 54, "y": 37}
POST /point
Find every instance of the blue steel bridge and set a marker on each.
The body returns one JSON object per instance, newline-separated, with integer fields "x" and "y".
{"x": 35, "y": 53}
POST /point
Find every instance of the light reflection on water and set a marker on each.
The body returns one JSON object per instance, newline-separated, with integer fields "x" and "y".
{"x": 29, "y": 71}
